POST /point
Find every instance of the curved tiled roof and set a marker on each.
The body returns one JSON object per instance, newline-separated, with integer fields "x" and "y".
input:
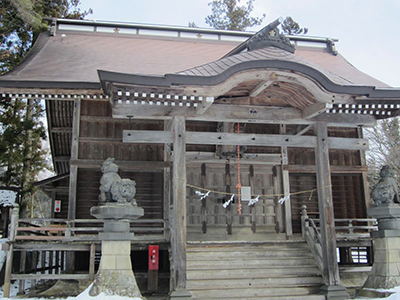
{"x": 71, "y": 59}
{"x": 265, "y": 54}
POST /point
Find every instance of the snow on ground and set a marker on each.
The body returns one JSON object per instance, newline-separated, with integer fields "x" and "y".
{"x": 83, "y": 296}
{"x": 3, "y": 253}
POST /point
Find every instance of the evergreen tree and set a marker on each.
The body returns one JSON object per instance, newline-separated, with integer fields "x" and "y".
{"x": 289, "y": 26}
{"x": 21, "y": 22}
{"x": 228, "y": 15}
{"x": 21, "y": 135}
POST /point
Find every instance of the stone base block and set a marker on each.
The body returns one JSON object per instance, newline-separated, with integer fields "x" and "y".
{"x": 115, "y": 275}
{"x": 381, "y": 282}
{"x": 114, "y": 282}
{"x": 116, "y": 236}
{"x": 374, "y": 294}
{"x": 180, "y": 295}
{"x": 385, "y": 233}
{"x": 334, "y": 292}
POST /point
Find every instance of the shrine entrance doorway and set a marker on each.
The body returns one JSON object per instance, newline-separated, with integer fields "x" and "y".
{"x": 211, "y": 211}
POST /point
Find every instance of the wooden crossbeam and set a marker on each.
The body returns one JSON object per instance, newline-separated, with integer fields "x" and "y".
{"x": 244, "y": 139}
{"x": 243, "y": 114}
{"x": 315, "y": 109}
{"x": 205, "y": 104}
{"x": 247, "y": 158}
{"x": 260, "y": 88}
{"x": 50, "y": 276}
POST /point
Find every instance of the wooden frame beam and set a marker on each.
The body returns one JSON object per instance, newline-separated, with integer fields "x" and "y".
{"x": 243, "y": 139}
{"x": 143, "y": 166}
{"x": 242, "y": 114}
{"x": 334, "y": 169}
{"x": 205, "y": 104}
{"x": 247, "y": 158}
{"x": 260, "y": 88}
{"x": 61, "y": 130}
{"x": 305, "y": 129}
{"x": 315, "y": 109}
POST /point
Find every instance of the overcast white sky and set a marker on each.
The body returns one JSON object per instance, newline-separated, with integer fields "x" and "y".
{"x": 368, "y": 30}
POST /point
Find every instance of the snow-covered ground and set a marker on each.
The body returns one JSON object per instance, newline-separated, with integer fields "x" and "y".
{"x": 83, "y": 296}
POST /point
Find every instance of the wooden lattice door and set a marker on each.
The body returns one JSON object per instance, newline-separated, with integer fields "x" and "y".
{"x": 221, "y": 180}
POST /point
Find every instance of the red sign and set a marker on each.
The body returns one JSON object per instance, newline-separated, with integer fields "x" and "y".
{"x": 153, "y": 257}
{"x": 57, "y": 206}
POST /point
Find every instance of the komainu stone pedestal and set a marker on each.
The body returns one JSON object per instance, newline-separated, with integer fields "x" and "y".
{"x": 385, "y": 273}
{"x": 115, "y": 275}
{"x": 180, "y": 295}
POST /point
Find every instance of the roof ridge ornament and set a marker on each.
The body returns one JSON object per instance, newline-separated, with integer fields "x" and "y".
{"x": 270, "y": 36}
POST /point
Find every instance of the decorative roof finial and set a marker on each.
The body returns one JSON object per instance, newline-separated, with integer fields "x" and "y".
{"x": 270, "y": 36}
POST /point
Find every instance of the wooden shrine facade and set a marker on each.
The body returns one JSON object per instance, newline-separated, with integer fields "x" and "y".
{"x": 185, "y": 111}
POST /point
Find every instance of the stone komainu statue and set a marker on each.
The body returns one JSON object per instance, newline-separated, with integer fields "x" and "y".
{"x": 113, "y": 188}
{"x": 386, "y": 190}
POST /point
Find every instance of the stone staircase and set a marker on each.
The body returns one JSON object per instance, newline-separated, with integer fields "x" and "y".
{"x": 280, "y": 270}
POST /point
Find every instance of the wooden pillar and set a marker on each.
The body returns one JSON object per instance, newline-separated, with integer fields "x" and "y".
{"x": 229, "y": 210}
{"x": 286, "y": 187}
{"x": 53, "y": 200}
{"x": 332, "y": 286}
{"x": 253, "y": 208}
{"x": 203, "y": 215}
{"x": 92, "y": 261}
{"x": 73, "y": 176}
{"x": 365, "y": 188}
{"x": 167, "y": 182}
{"x": 179, "y": 210}
{"x": 277, "y": 180}
{"x": 10, "y": 253}
{"x": 74, "y": 155}
{"x": 22, "y": 269}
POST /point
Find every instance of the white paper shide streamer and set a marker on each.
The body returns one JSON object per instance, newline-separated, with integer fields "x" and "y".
{"x": 203, "y": 195}
{"x": 282, "y": 200}
{"x": 254, "y": 201}
{"x": 225, "y": 205}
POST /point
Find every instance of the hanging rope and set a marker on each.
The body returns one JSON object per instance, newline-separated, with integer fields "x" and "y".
{"x": 239, "y": 185}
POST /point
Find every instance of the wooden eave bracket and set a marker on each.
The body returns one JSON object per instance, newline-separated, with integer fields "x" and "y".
{"x": 260, "y": 88}
{"x": 205, "y": 105}
{"x": 315, "y": 109}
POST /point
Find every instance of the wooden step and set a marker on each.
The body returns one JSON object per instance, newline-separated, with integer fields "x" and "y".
{"x": 306, "y": 297}
{"x": 279, "y": 270}
{"x": 249, "y": 255}
{"x": 251, "y": 273}
{"x": 254, "y": 292}
{"x": 289, "y": 281}
{"x": 226, "y": 264}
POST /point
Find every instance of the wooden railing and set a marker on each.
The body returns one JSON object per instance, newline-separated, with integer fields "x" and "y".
{"x": 313, "y": 237}
{"x": 84, "y": 232}
{"x": 346, "y": 229}
{"x": 82, "y": 229}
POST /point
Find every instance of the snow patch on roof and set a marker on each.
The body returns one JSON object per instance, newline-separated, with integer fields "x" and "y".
{"x": 7, "y": 197}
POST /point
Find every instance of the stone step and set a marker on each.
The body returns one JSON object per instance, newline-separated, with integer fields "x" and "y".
{"x": 254, "y": 292}
{"x": 252, "y": 273}
{"x": 247, "y": 263}
{"x": 290, "y": 281}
